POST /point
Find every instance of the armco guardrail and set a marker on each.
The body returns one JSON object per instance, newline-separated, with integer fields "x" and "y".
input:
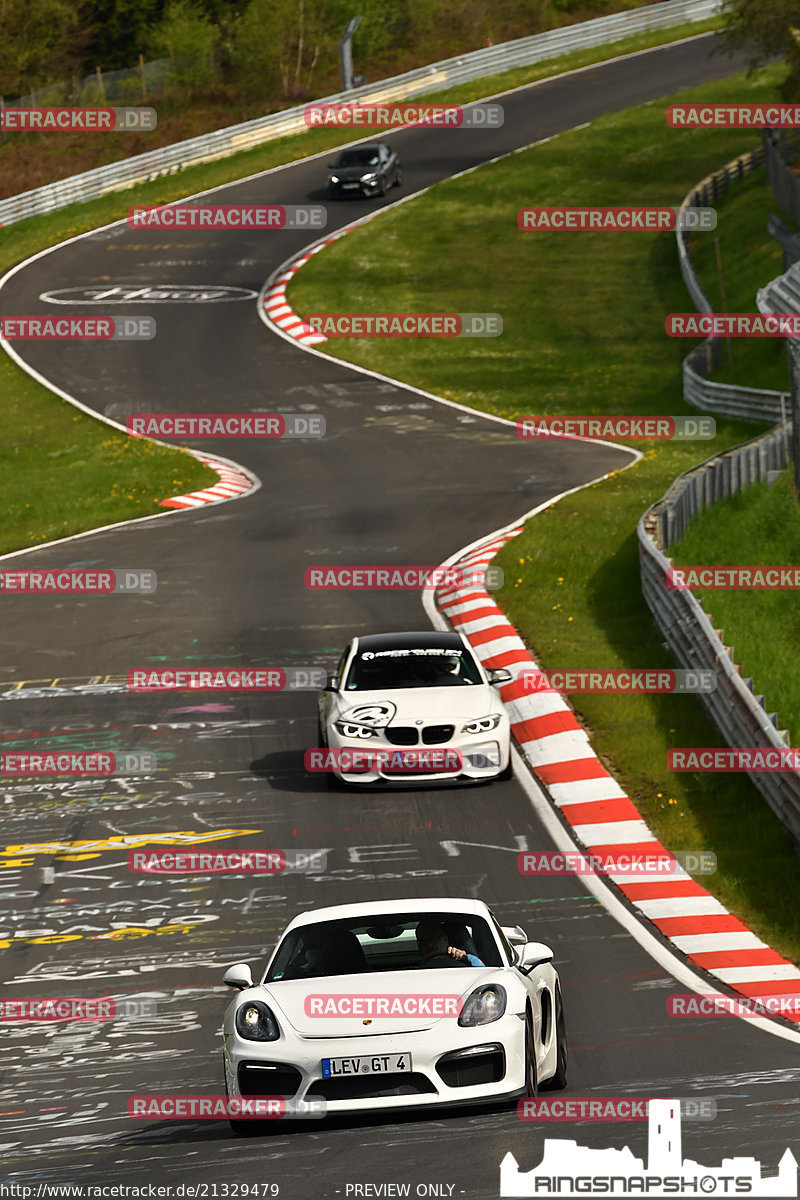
{"x": 491, "y": 60}
{"x": 738, "y": 714}
{"x": 688, "y": 631}
{"x": 780, "y": 148}
{"x": 743, "y": 403}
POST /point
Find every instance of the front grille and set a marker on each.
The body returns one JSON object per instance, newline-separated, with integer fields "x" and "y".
{"x": 268, "y": 1079}
{"x": 485, "y": 1064}
{"x": 434, "y": 735}
{"x": 401, "y": 735}
{"x": 373, "y": 1087}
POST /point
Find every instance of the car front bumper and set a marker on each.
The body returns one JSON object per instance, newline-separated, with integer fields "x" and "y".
{"x": 482, "y": 758}
{"x": 459, "y": 1066}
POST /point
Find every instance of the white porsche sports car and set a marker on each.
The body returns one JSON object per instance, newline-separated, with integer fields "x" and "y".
{"x": 396, "y": 1004}
{"x": 405, "y": 697}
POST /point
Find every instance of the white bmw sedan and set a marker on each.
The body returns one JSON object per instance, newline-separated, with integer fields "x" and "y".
{"x": 396, "y": 1004}
{"x": 420, "y": 707}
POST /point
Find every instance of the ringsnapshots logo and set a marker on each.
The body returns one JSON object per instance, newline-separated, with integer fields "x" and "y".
{"x": 747, "y": 578}
{"x": 74, "y": 1008}
{"x": 228, "y": 216}
{"x": 785, "y": 325}
{"x": 213, "y": 860}
{"x": 69, "y": 581}
{"x": 567, "y": 1169}
{"x": 632, "y": 429}
{"x": 77, "y": 329}
{"x": 620, "y": 680}
{"x": 395, "y": 116}
{"x": 609, "y": 1108}
{"x": 104, "y": 120}
{"x": 733, "y": 116}
{"x": 226, "y": 679}
{"x": 401, "y": 579}
{"x": 624, "y": 862}
{"x": 616, "y": 218}
{"x": 216, "y": 1107}
{"x": 733, "y": 759}
{"x": 226, "y": 425}
{"x": 80, "y": 762}
{"x": 403, "y": 324}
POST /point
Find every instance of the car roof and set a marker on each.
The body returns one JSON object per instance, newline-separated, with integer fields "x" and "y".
{"x": 426, "y": 640}
{"x": 433, "y": 904}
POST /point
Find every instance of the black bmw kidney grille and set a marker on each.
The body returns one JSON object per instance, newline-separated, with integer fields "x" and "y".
{"x": 401, "y": 735}
{"x": 434, "y": 735}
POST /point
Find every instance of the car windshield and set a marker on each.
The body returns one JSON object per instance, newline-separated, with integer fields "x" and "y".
{"x": 373, "y": 670}
{"x": 391, "y": 942}
{"x": 357, "y": 158}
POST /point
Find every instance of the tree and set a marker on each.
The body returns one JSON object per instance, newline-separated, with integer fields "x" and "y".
{"x": 278, "y": 43}
{"x": 42, "y": 43}
{"x": 766, "y": 29}
{"x": 186, "y": 36}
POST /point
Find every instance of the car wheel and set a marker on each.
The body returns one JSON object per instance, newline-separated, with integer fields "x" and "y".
{"x": 531, "y": 1073}
{"x": 398, "y": 179}
{"x": 321, "y": 739}
{"x": 508, "y": 773}
{"x": 382, "y": 187}
{"x": 559, "y": 1080}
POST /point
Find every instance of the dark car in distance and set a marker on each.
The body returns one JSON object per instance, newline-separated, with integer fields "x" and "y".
{"x": 366, "y": 170}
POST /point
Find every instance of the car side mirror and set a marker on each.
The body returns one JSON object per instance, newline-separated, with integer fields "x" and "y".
{"x": 533, "y": 955}
{"x": 330, "y": 684}
{"x": 499, "y": 675}
{"x": 238, "y": 976}
{"x": 514, "y": 935}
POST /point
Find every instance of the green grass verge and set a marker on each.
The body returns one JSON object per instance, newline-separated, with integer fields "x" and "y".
{"x": 750, "y": 258}
{"x": 763, "y": 524}
{"x": 64, "y": 472}
{"x": 583, "y": 333}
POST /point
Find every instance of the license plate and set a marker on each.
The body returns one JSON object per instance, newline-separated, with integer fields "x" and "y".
{"x": 366, "y": 1064}
{"x": 344, "y": 185}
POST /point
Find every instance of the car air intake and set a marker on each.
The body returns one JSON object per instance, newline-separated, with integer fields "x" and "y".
{"x": 373, "y": 1087}
{"x": 268, "y": 1079}
{"x": 470, "y": 1068}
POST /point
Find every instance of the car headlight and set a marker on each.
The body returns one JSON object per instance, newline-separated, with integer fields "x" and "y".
{"x": 333, "y": 179}
{"x": 486, "y": 1004}
{"x": 483, "y": 724}
{"x": 370, "y": 177}
{"x": 255, "y": 1022}
{"x": 348, "y": 729}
